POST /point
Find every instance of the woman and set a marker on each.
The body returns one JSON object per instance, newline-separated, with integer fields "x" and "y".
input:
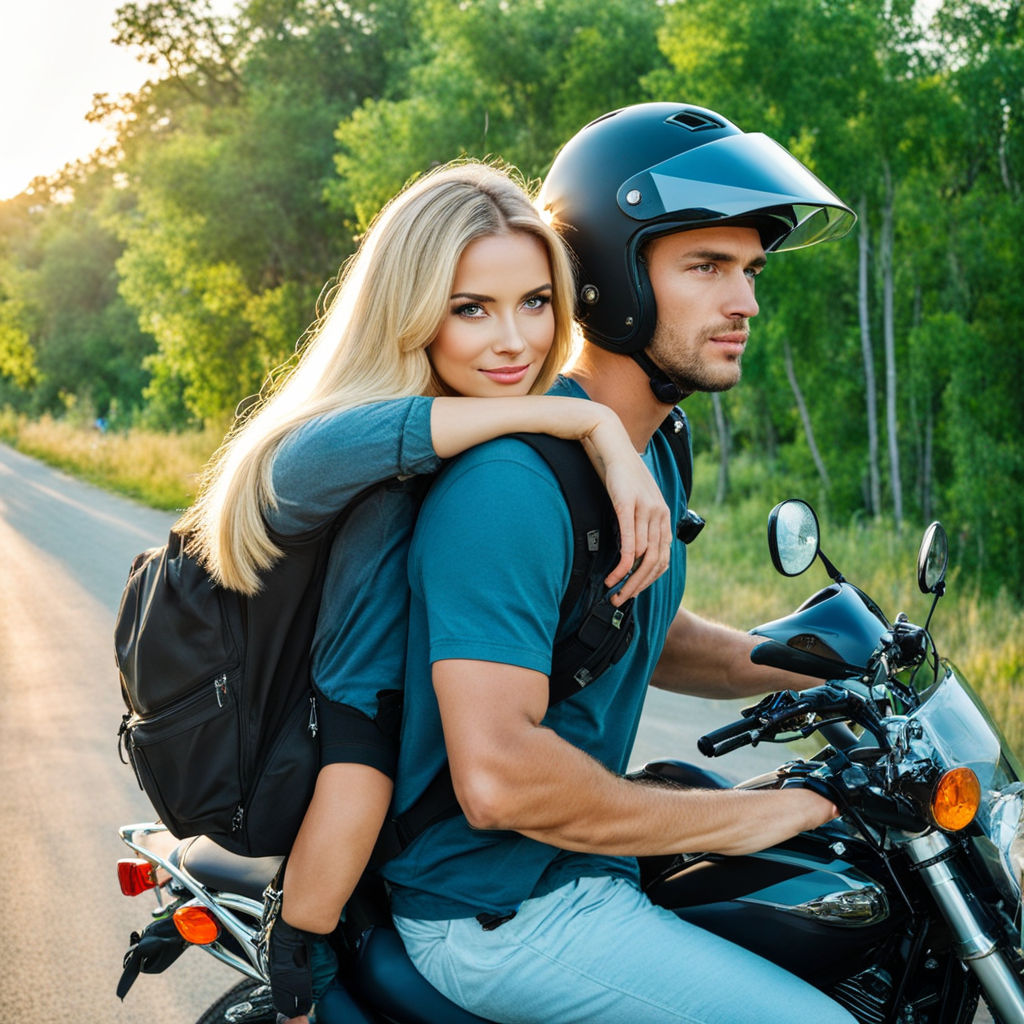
{"x": 449, "y": 324}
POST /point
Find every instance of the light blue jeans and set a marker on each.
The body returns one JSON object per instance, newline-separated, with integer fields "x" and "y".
{"x": 597, "y": 951}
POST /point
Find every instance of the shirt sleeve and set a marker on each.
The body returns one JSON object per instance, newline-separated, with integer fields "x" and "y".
{"x": 326, "y": 462}
{"x": 491, "y": 558}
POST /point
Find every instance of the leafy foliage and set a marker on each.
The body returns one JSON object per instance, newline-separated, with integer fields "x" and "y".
{"x": 159, "y": 282}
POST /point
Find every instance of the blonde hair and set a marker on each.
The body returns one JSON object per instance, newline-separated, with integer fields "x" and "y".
{"x": 369, "y": 345}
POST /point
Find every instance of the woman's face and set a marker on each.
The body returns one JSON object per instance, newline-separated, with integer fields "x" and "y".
{"x": 500, "y": 325}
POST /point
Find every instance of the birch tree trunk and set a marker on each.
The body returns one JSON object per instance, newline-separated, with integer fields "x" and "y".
{"x": 926, "y": 470}
{"x": 867, "y": 352}
{"x": 805, "y": 418}
{"x": 889, "y": 334}
{"x": 724, "y": 447}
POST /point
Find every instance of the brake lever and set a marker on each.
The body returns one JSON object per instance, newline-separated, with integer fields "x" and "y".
{"x": 828, "y": 700}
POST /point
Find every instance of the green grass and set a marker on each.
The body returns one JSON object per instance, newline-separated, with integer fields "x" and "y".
{"x": 160, "y": 470}
{"x": 730, "y": 578}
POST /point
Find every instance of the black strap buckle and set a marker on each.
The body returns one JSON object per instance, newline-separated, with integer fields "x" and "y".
{"x": 689, "y": 526}
{"x": 491, "y": 921}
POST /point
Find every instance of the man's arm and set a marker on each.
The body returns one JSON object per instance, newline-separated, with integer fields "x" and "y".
{"x": 706, "y": 659}
{"x": 511, "y": 772}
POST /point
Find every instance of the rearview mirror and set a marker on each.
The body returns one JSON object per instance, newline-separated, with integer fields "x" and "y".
{"x": 932, "y": 559}
{"x": 793, "y": 536}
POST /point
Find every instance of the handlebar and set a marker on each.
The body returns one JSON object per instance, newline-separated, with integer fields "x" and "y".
{"x": 729, "y": 737}
{"x": 776, "y": 713}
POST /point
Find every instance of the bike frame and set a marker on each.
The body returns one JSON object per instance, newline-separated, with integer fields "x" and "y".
{"x": 225, "y": 906}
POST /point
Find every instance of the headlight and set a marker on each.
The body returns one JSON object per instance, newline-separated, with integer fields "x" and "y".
{"x": 1003, "y": 845}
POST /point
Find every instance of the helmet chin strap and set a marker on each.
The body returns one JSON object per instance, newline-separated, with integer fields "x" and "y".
{"x": 664, "y": 390}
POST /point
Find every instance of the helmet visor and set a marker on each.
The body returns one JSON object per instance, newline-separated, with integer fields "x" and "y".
{"x": 739, "y": 176}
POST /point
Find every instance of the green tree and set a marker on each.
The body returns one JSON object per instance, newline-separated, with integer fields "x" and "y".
{"x": 494, "y": 78}
{"x": 228, "y": 154}
{"x": 66, "y": 331}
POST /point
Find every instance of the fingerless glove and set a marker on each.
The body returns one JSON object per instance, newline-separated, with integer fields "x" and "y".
{"x": 291, "y": 974}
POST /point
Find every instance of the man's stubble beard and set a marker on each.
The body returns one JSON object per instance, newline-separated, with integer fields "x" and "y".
{"x": 684, "y": 366}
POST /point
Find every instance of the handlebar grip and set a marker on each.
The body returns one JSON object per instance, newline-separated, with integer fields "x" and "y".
{"x": 737, "y": 741}
{"x": 714, "y": 742}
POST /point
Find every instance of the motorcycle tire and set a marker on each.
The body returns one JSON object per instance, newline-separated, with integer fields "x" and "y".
{"x": 255, "y": 993}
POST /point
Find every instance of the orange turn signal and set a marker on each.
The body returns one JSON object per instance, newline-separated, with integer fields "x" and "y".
{"x": 196, "y": 924}
{"x": 956, "y": 799}
{"x": 135, "y": 875}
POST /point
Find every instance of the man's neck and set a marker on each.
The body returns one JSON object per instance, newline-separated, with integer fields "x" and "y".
{"x": 616, "y": 381}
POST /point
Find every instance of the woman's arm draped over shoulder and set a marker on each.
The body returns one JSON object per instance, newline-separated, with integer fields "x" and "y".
{"x": 325, "y": 463}
{"x": 645, "y": 526}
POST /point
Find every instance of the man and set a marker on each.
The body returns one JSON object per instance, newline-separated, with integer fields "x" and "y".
{"x": 527, "y": 907}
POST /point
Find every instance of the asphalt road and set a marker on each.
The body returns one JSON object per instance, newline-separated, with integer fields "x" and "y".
{"x": 65, "y": 549}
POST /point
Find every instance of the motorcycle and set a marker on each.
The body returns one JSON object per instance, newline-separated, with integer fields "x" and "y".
{"x": 906, "y": 909}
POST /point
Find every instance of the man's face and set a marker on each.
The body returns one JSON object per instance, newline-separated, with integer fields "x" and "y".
{"x": 703, "y": 283}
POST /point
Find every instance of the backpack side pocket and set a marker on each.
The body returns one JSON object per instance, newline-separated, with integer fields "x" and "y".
{"x": 280, "y": 793}
{"x": 186, "y": 758}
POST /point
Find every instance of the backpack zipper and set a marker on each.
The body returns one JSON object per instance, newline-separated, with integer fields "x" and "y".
{"x": 314, "y": 724}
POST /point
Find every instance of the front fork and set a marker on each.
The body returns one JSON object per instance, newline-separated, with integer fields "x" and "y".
{"x": 931, "y": 855}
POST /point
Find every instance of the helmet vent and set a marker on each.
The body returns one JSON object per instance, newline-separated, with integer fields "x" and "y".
{"x": 695, "y": 120}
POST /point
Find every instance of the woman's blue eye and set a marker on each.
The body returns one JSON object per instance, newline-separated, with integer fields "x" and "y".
{"x": 470, "y": 309}
{"x": 537, "y": 301}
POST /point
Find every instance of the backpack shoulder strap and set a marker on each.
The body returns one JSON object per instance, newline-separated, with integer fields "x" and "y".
{"x": 676, "y": 430}
{"x": 594, "y": 532}
{"x": 605, "y": 631}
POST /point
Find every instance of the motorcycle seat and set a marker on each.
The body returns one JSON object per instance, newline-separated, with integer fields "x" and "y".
{"x": 388, "y": 980}
{"x": 220, "y": 869}
{"x": 682, "y": 773}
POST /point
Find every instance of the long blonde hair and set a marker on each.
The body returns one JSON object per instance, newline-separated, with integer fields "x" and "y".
{"x": 369, "y": 345}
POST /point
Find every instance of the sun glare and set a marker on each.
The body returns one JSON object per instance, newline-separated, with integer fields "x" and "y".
{"x": 54, "y": 55}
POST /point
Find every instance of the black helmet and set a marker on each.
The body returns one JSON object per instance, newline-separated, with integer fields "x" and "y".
{"x": 655, "y": 168}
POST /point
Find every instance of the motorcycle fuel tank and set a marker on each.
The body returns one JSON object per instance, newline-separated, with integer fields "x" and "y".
{"x": 802, "y": 905}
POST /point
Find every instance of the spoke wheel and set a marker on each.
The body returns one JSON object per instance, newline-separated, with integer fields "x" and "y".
{"x": 247, "y": 1003}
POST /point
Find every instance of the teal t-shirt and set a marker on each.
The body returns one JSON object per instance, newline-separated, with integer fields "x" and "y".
{"x": 488, "y": 565}
{"x": 360, "y": 643}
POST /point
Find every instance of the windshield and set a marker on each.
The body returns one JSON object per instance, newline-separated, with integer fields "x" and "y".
{"x": 962, "y": 732}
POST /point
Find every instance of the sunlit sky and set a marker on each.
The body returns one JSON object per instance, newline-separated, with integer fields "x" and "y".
{"x": 54, "y": 54}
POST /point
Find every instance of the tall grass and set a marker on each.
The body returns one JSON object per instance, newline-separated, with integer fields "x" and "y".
{"x": 729, "y": 575}
{"x": 160, "y": 470}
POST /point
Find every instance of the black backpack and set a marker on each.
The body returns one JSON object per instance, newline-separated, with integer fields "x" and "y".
{"x": 221, "y": 717}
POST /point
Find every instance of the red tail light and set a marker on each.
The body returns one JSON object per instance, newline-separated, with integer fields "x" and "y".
{"x": 135, "y": 875}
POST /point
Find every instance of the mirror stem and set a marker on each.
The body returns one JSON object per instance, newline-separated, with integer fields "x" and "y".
{"x": 940, "y": 589}
{"x": 834, "y": 574}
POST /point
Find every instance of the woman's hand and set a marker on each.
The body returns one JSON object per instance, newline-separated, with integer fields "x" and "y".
{"x": 645, "y": 526}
